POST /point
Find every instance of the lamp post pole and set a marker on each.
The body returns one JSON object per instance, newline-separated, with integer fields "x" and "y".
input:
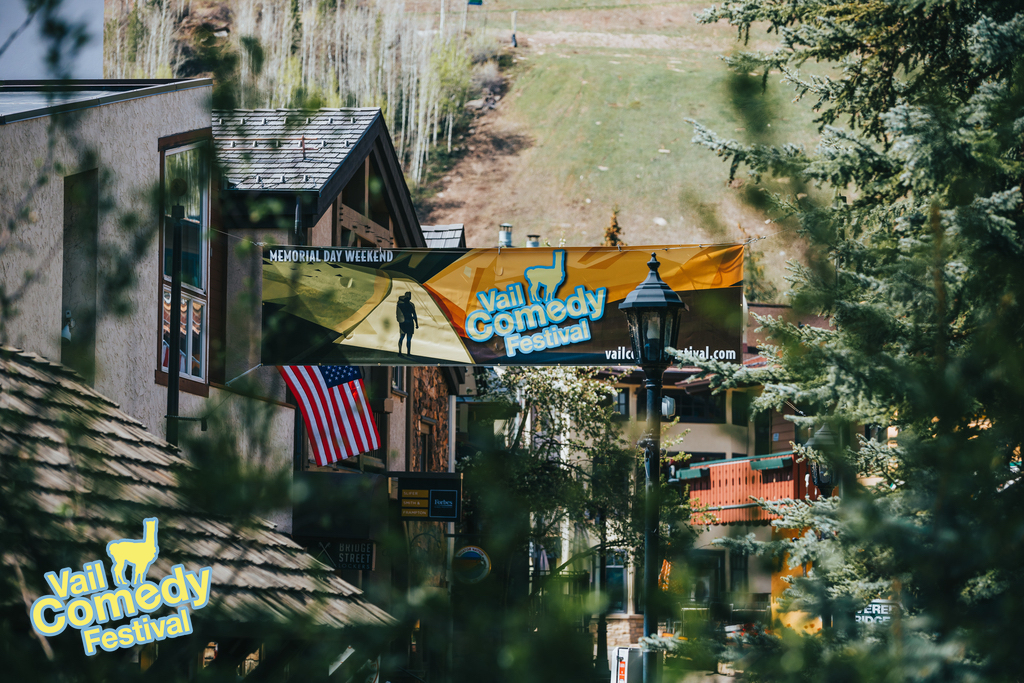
{"x": 652, "y": 312}
{"x": 174, "y": 352}
{"x": 825, "y": 478}
{"x": 652, "y": 502}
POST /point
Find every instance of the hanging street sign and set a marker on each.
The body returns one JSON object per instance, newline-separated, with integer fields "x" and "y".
{"x": 436, "y": 497}
{"x": 348, "y": 554}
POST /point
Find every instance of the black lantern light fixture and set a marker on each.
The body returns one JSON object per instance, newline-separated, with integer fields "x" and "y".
{"x": 652, "y": 312}
{"x": 822, "y": 476}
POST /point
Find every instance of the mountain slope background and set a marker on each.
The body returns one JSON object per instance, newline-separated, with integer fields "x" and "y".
{"x": 586, "y": 115}
{"x": 593, "y": 118}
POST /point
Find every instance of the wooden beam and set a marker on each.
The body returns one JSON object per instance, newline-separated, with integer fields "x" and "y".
{"x": 366, "y": 186}
{"x": 363, "y": 227}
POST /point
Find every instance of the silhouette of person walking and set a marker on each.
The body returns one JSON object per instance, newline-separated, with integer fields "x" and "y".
{"x": 405, "y": 312}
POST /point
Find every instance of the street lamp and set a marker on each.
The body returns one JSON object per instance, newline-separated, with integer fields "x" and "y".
{"x": 652, "y": 313}
{"x": 823, "y": 477}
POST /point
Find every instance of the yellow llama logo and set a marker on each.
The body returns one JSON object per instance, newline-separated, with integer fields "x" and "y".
{"x": 84, "y": 599}
{"x": 139, "y": 554}
{"x": 548, "y": 278}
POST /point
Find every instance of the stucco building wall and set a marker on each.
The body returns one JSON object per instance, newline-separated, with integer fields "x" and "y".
{"x": 119, "y": 140}
{"x": 123, "y": 137}
{"x": 705, "y": 437}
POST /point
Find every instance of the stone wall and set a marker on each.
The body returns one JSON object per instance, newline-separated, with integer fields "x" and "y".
{"x": 430, "y": 417}
{"x": 624, "y": 630}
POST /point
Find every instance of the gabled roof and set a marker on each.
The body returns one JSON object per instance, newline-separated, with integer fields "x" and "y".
{"x": 84, "y": 465}
{"x": 445, "y": 236}
{"x": 261, "y": 151}
{"x": 286, "y": 149}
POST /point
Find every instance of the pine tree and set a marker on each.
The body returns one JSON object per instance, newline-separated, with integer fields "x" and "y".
{"x": 613, "y": 233}
{"x": 757, "y": 286}
{"x": 917, "y": 264}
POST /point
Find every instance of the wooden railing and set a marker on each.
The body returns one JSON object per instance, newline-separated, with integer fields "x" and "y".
{"x": 725, "y": 487}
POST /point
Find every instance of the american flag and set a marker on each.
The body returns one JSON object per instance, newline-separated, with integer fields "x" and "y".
{"x": 333, "y": 404}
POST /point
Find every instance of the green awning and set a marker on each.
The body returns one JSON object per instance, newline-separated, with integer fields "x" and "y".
{"x": 692, "y": 474}
{"x": 771, "y": 464}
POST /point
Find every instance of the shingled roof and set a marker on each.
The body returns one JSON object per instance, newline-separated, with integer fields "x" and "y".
{"x": 286, "y": 149}
{"x": 95, "y": 472}
{"x": 445, "y": 236}
{"x": 313, "y": 153}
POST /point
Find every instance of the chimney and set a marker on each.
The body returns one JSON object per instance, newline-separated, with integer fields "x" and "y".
{"x": 533, "y": 240}
{"x": 505, "y": 235}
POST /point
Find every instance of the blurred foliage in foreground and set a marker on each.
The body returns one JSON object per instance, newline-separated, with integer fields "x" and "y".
{"x": 918, "y": 265}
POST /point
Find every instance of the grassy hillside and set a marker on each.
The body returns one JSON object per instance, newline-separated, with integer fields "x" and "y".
{"x": 593, "y": 115}
{"x": 595, "y": 118}
{"x": 609, "y": 126}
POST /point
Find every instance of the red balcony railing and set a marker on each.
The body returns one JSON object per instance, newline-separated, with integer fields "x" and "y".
{"x": 725, "y": 487}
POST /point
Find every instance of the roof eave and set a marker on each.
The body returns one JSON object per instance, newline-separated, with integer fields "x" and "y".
{"x": 170, "y": 85}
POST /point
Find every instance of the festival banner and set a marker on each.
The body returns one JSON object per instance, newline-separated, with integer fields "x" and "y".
{"x": 537, "y": 306}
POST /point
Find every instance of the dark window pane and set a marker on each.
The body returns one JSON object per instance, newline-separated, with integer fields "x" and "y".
{"x": 196, "y": 347}
{"x": 737, "y": 572}
{"x": 702, "y": 407}
{"x": 622, "y": 402}
{"x": 616, "y": 589}
{"x": 740, "y": 408}
{"x": 763, "y": 433}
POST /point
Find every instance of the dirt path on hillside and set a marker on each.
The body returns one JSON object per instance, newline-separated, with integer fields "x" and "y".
{"x": 481, "y": 187}
{"x": 632, "y": 41}
{"x": 491, "y": 183}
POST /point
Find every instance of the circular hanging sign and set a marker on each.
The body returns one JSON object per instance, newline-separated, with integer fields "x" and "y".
{"x": 471, "y": 564}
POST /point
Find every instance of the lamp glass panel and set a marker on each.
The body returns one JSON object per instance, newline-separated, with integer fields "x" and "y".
{"x": 653, "y": 327}
{"x": 633, "y": 322}
{"x": 672, "y": 327}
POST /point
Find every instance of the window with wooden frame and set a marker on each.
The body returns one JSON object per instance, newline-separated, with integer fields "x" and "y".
{"x": 189, "y": 164}
{"x": 398, "y": 380}
{"x": 622, "y": 403}
{"x": 615, "y": 590}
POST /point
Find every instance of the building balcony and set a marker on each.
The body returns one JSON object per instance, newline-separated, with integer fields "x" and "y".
{"x": 725, "y": 488}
